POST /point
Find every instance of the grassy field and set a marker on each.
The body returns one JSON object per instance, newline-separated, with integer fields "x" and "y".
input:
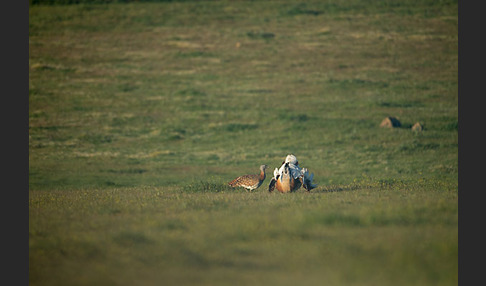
{"x": 139, "y": 113}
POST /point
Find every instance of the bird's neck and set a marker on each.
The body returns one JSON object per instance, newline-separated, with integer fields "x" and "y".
{"x": 262, "y": 175}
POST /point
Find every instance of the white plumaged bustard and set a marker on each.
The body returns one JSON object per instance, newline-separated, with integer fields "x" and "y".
{"x": 290, "y": 177}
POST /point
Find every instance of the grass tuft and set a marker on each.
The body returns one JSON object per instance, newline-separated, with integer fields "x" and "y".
{"x": 200, "y": 186}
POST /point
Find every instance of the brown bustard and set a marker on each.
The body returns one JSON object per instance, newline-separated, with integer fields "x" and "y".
{"x": 250, "y": 182}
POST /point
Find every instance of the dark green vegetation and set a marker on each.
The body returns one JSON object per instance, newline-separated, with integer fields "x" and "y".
{"x": 140, "y": 112}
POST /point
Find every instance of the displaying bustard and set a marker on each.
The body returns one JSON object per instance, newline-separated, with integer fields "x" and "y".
{"x": 290, "y": 177}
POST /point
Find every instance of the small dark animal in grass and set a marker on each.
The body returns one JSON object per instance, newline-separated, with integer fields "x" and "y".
{"x": 250, "y": 182}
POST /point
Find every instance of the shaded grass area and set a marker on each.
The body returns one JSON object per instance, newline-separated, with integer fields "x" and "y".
{"x": 366, "y": 233}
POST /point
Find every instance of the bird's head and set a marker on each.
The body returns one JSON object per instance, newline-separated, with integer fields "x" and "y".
{"x": 291, "y": 159}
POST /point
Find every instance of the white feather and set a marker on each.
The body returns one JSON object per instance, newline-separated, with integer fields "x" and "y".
{"x": 276, "y": 173}
{"x": 291, "y": 159}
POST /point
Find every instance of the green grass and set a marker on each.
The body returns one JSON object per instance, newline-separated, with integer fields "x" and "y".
{"x": 359, "y": 234}
{"x": 139, "y": 114}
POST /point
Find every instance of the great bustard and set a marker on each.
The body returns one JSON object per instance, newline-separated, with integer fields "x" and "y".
{"x": 250, "y": 182}
{"x": 290, "y": 177}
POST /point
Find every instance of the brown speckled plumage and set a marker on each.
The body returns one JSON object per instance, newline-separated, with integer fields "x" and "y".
{"x": 250, "y": 182}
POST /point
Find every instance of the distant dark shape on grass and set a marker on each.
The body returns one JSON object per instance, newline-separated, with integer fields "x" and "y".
{"x": 390, "y": 122}
{"x": 235, "y": 127}
{"x": 250, "y": 182}
{"x": 302, "y": 9}
{"x": 290, "y": 177}
{"x": 260, "y": 35}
